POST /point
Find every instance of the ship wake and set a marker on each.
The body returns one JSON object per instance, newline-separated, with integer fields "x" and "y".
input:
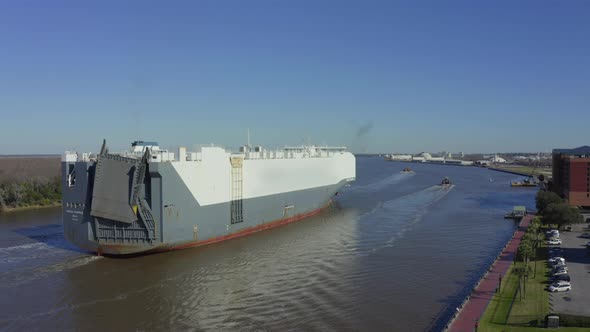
{"x": 383, "y": 183}
{"x": 388, "y": 221}
{"x": 28, "y": 274}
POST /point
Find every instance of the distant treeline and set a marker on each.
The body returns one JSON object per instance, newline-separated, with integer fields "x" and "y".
{"x": 31, "y": 192}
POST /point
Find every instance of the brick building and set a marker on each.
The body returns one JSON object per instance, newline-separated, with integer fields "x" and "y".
{"x": 571, "y": 175}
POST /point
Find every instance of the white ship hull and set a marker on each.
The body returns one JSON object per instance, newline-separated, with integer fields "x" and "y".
{"x": 121, "y": 205}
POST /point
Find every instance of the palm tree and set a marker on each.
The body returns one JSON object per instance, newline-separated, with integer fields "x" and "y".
{"x": 539, "y": 237}
{"x": 533, "y": 256}
{"x": 520, "y": 272}
{"x": 525, "y": 251}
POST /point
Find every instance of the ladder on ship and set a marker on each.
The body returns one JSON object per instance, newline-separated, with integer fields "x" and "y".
{"x": 236, "y": 205}
{"x": 137, "y": 199}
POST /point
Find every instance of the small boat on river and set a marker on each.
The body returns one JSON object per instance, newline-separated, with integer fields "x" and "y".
{"x": 445, "y": 182}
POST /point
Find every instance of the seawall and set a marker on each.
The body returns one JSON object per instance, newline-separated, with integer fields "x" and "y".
{"x": 509, "y": 171}
{"x": 475, "y": 304}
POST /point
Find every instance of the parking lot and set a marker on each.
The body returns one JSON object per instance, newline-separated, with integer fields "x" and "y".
{"x": 577, "y": 256}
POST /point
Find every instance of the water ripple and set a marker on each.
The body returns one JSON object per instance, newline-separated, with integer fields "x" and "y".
{"x": 342, "y": 270}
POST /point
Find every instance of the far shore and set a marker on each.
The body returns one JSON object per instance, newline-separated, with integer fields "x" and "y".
{"x": 30, "y": 207}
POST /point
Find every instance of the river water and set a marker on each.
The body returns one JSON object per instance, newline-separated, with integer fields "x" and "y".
{"x": 395, "y": 252}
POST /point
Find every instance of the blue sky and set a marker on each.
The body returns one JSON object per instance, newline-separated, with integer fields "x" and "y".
{"x": 376, "y": 76}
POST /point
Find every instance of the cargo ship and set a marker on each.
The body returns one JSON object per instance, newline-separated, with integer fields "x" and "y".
{"x": 150, "y": 200}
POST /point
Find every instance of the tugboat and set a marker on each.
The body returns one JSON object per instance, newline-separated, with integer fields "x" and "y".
{"x": 407, "y": 170}
{"x": 445, "y": 182}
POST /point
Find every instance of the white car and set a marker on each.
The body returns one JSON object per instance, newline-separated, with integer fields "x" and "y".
{"x": 560, "y": 286}
{"x": 556, "y": 259}
{"x": 554, "y": 242}
{"x": 560, "y": 267}
{"x": 559, "y": 272}
{"x": 556, "y": 263}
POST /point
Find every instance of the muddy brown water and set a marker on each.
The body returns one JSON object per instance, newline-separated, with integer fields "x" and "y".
{"x": 396, "y": 252}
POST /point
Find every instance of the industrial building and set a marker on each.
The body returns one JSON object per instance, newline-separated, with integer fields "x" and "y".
{"x": 571, "y": 175}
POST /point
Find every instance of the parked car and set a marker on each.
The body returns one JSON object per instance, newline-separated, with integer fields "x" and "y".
{"x": 560, "y": 286}
{"x": 558, "y": 268}
{"x": 556, "y": 259}
{"x": 554, "y": 242}
{"x": 563, "y": 277}
{"x": 585, "y": 236}
{"x": 559, "y": 272}
{"x": 568, "y": 228}
{"x": 557, "y": 262}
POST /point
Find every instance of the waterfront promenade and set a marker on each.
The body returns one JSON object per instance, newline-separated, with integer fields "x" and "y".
{"x": 473, "y": 309}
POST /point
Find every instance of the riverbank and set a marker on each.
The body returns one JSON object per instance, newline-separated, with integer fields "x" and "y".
{"x": 30, "y": 207}
{"x": 472, "y": 309}
{"x": 526, "y": 171}
{"x": 511, "y": 311}
{"x": 517, "y": 303}
{"x": 30, "y": 194}
{"x": 522, "y": 170}
{"x": 29, "y": 182}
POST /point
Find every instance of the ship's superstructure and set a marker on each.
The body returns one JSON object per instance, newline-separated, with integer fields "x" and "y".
{"x": 150, "y": 199}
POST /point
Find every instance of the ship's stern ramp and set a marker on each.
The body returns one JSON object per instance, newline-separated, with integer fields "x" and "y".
{"x": 121, "y": 213}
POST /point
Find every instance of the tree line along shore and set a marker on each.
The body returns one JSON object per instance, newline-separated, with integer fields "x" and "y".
{"x": 31, "y": 193}
{"x": 28, "y": 182}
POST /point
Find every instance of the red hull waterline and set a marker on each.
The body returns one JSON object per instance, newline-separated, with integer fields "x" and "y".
{"x": 119, "y": 250}
{"x": 252, "y": 230}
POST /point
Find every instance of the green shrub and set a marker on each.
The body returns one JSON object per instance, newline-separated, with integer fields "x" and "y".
{"x": 36, "y": 191}
{"x": 562, "y": 214}
{"x": 544, "y": 198}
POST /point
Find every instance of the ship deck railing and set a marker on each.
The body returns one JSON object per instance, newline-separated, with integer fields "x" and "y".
{"x": 284, "y": 153}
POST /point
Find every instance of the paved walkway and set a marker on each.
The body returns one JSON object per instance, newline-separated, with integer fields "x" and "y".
{"x": 481, "y": 296}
